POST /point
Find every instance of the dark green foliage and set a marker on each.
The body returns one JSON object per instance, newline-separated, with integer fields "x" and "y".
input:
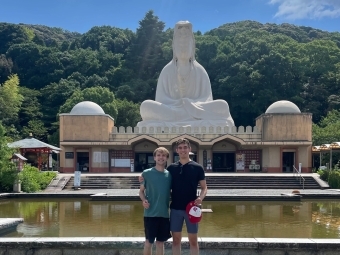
{"x": 7, "y": 178}
{"x": 144, "y": 56}
{"x": 6, "y": 67}
{"x": 8, "y": 171}
{"x": 128, "y": 113}
{"x": 11, "y": 34}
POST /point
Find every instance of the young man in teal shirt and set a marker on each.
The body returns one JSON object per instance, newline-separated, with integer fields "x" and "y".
{"x": 155, "y": 195}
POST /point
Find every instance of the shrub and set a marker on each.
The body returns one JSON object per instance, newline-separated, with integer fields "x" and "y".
{"x": 46, "y": 178}
{"x": 7, "y": 178}
{"x": 32, "y": 180}
{"x": 29, "y": 179}
{"x": 331, "y": 176}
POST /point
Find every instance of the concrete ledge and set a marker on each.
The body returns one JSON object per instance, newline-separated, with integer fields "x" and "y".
{"x": 7, "y": 224}
{"x": 322, "y": 183}
{"x": 214, "y": 197}
{"x": 134, "y": 245}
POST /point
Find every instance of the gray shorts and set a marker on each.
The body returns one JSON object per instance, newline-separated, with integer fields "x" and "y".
{"x": 176, "y": 222}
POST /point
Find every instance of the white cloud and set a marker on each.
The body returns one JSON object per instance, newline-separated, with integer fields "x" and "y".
{"x": 307, "y": 9}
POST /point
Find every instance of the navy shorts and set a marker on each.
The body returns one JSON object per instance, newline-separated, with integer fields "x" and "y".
{"x": 157, "y": 228}
{"x": 177, "y": 217}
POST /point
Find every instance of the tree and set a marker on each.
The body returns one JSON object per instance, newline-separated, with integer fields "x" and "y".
{"x": 95, "y": 80}
{"x": 7, "y": 168}
{"x": 11, "y": 34}
{"x": 30, "y": 108}
{"x": 128, "y": 113}
{"x": 24, "y": 57}
{"x": 6, "y": 66}
{"x": 55, "y": 94}
{"x": 99, "y": 95}
{"x": 125, "y": 92}
{"x": 113, "y": 39}
{"x": 10, "y": 100}
{"x": 145, "y": 53}
{"x": 37, "y": 128}
{"x": 328, "y": 129}
{"x": 84, "y": 61}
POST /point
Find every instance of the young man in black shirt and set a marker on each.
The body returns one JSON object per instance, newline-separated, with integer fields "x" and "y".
{"x": 186, "y": 175}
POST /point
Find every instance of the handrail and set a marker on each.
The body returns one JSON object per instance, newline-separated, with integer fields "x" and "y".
{"x": 301, "y": 177}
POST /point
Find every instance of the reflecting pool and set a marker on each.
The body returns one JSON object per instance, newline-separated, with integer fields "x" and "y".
{"x": 83, "y": 217}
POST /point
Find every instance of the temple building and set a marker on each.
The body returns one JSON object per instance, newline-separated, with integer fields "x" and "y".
{"x": 280, "y": 141}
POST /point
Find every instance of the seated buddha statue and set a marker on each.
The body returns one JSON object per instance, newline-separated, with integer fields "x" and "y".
{"x": 183, "y": 94}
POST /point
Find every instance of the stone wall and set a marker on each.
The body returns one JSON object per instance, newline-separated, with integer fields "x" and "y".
{"x": 132, "y": 246}
{"x": 248, "y": 133}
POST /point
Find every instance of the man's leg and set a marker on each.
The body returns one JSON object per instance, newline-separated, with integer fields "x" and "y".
{"x": 149, "y": 235}
{"x": 193, "y": 244}
{"x": 176, "y": 225}
{"x": 192, "y": 229}
{"x": 159, "y": 248}
{"x": 147, "y": 247}
{"x": 163, "y": 234}
{"x": 176, "y": 243}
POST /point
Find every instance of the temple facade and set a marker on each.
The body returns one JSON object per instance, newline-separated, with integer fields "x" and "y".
{"x": 279, "y": 142}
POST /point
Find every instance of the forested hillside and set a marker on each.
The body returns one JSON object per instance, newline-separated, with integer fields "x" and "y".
{"x": 45, "y": 71}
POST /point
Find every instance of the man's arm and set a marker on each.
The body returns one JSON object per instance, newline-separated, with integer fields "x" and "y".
{"x": 204, "y": 189}
{"x": 142, "y": 196}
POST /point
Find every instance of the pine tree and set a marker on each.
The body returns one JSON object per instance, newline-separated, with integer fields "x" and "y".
{"x": 145, "y": 53}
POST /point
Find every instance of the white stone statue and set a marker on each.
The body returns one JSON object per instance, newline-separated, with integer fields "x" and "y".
{"x": 183, "y": 95}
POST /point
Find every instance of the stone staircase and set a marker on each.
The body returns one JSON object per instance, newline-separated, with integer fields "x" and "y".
{"x": 213, "y": 182}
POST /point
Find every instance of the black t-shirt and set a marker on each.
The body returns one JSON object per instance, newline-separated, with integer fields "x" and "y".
{"x": 185, "y": 179}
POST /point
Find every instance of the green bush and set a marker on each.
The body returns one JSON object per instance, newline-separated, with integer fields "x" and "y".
{"x": 7, "y": 178}
{"x": 323, "y": 174}
{"x": 331, "y": 176}
{"x": 29, "y": 179}
{"x": 32, "y": 180}
{"x": 46, "y": 178}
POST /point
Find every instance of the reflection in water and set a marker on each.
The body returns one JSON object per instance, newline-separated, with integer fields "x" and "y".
{"x": 81, "y": 217}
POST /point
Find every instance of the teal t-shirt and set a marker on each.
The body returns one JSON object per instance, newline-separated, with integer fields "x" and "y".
{"x": 157, "y": 191}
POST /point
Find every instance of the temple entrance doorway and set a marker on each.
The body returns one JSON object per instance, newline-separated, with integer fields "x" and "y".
{"x": 223, "y": 162}
{"x": 83, "y": 160}
{"x": 288, "y": 161}
{"x": 144, "y": 160}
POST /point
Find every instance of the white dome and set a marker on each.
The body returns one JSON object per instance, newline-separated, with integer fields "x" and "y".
{"x": 87, "y": 108}
{"x": 283, "y": 106}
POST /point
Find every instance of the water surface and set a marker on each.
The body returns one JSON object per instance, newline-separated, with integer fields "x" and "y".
{"x": 85, "y": 218}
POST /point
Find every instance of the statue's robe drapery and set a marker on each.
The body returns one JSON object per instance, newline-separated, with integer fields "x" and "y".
{"x": 184, "y": 100}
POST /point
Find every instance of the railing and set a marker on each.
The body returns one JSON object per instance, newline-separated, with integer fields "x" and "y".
{"x": 297, "y": 174}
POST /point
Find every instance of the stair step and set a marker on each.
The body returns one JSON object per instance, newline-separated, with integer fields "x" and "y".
{"x": 213, "y": 182}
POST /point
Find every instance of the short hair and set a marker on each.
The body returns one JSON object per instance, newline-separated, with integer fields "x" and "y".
{"x": 183, "y": 141}
{"x": 161, "y": 150}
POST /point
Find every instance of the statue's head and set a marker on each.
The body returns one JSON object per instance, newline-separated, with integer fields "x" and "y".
{"x": 183, "y": 43}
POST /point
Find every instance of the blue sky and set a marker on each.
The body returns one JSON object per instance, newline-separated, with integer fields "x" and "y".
{"x": 81, "y": 15}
